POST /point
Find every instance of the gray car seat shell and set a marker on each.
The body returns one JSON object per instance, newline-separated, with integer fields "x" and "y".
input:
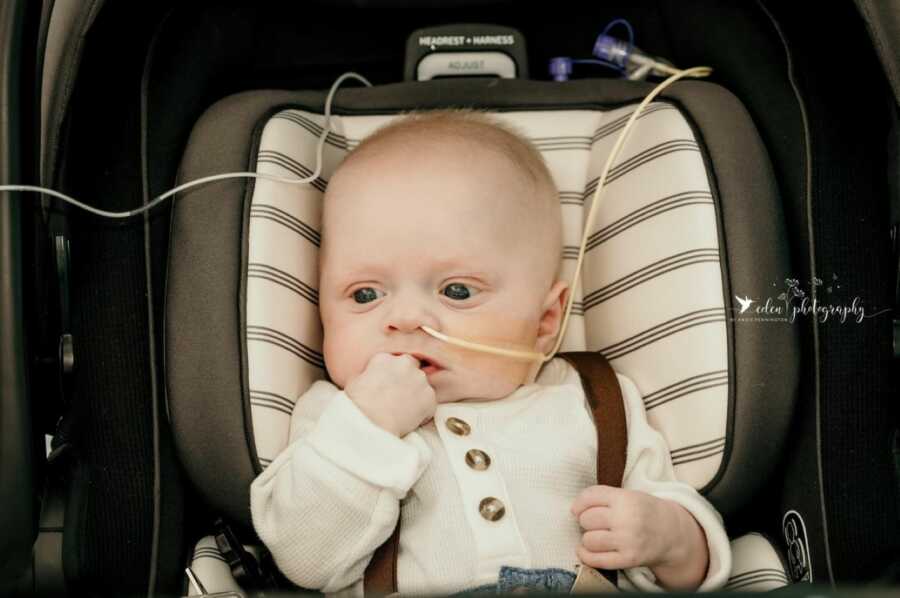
{"x": 207, "y": 389}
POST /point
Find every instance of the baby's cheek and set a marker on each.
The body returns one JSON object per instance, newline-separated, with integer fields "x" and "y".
{"x": 337, "y": 363}
{"x": 509, "y": 373}
{"x": 494, "y": 376}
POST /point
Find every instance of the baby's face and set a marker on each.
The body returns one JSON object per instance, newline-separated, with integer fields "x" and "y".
{"x": 432, "y": 240}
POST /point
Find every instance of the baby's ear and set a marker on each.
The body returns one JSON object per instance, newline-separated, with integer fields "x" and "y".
{"x": 551, "y": 316}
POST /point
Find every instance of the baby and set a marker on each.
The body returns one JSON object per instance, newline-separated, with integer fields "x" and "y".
{"x": 451, "y": 220}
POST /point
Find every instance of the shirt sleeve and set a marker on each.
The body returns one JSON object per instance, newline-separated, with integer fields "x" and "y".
{"x": 648, "y": 468}
{"x": 332, "y": 497}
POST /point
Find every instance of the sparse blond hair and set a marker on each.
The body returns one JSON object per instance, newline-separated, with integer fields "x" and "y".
{"x": 469, "y": 125}
{"x": 489, "y": 132}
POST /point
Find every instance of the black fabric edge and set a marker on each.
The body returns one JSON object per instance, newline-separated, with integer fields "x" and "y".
{"x": 153, "y": 565}
{"x": 741, "y": 468}
{"x": 75, "y": 522}
{"x": 252, "y": 158}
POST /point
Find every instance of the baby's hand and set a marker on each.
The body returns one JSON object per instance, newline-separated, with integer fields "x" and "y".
{"x": 394, "y": 393}
{"x": 624, "y": 528}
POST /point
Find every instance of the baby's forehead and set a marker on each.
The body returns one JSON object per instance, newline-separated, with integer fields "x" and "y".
{"x": 474, "y": 157}
{"x": 422, "y": 147}
{"x": 475, "y": 165}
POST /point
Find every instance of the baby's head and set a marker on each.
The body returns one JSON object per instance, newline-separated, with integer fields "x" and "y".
{"x": 450, "y": 220}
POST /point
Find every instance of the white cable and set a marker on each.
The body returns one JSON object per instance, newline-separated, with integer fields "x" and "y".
{"x": 700, "y": 71}
{"x": 697, "y": 71}
{"x": 209, "y": 179}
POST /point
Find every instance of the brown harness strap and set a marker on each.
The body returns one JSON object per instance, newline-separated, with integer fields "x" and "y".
{"x": 605, "y": 398}
{"x": 381, "y": 574}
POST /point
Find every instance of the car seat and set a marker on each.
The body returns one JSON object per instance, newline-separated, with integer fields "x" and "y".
{"x": 690, "y": 218}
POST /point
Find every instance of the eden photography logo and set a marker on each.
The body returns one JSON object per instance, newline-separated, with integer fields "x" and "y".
{"x": 794, "y": 302}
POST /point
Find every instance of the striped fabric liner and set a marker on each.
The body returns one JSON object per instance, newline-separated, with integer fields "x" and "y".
{"x": 651, "y": 294}
{"x": 211, "y": 569}
{"x": 756, "y": 566}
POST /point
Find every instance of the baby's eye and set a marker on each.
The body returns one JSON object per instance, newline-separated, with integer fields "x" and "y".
{"x": 458, "y": 291}
{"x": 365, "y": 295}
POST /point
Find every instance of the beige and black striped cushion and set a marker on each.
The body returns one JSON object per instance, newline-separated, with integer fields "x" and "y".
{"x": 651, "y": 297}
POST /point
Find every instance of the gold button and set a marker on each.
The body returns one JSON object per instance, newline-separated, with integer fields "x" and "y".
{"x": 491, "y": 508}
{"x": 478, "y": 460}
{"x": 458, "y": 426}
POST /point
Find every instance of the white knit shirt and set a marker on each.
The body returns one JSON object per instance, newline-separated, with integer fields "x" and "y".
{"x": 334, "y": 494}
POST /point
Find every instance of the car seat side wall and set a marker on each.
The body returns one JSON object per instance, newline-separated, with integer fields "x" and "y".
{"x": 206, "y": 374}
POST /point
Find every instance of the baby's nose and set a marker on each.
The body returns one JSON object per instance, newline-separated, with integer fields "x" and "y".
{"x": 404, "y": 324}
{"x": 408, "y": 317}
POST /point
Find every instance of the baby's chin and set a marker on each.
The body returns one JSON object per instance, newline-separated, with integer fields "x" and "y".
{"x": 470, "y": 395}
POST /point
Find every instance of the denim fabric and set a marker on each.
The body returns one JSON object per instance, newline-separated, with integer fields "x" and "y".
{"x": 514, "y": 579}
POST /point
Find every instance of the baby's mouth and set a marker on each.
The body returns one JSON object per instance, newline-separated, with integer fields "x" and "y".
{"x": 428, "y": 367}
{"x": 426, "y": 364}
